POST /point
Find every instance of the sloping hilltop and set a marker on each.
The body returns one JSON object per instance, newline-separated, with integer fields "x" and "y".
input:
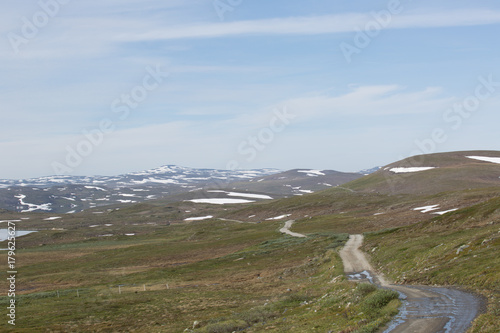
{"x": 443, "y": 172}
{"x": 195, "y": 266}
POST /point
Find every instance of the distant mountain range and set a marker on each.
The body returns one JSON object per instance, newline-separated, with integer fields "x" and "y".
{"x": 170, "y": 174}
{"x": 71, "y": 194}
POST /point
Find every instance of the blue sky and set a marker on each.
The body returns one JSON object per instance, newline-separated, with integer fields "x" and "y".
{"x": 231, "y": 71}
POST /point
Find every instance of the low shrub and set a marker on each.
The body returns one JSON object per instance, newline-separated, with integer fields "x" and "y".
{"x": 226, "y": 326}
{"x": 377, "y": 300}
{"x": 365, "y": 288}
{"x": 257, "y": 315}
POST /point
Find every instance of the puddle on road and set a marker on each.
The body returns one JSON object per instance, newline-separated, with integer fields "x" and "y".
{"x": 457, "y": 307}
{"x": 364, "y": 275}
{"x": 402, "y": 316}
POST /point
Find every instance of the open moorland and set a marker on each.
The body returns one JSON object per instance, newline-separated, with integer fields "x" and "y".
{"x": 166, "y": 266}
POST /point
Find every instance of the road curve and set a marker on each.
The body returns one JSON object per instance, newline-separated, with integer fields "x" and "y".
{"x": 425, "y": 309}
{"x": 286, "y": 230}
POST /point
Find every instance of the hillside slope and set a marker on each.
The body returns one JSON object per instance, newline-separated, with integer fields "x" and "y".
{"x": 447, "y": 172}
{"x": 457, "y": 249}
{"x": 297, "y": 182}
{"x": 174, "y": 262}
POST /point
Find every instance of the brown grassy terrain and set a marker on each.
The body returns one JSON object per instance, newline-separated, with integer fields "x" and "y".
{"x": 83, "y": 273}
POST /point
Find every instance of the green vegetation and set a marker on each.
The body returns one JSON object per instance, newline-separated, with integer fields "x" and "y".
{"x": 453, "y": 172}
{"x": 142, "y": 268}
{"x": 223, "y": 275}
{"x": 460, "y": 248}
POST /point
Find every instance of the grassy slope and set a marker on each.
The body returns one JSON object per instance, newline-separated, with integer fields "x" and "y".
{"x": 453, "y": 172}
{"x": 339, "y": 210}
{"x": 460, "y": 248}
{"x": 222, "y": 274}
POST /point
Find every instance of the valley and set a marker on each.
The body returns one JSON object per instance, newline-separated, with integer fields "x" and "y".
{"x": 274, "y": 261}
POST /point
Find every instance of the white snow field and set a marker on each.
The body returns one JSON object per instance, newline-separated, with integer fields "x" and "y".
{"x": 485, "y": 159}
{"x": 279, "y": 217}
{"x": 52, "y": 218}
{"x": 427, "y": 209}
{"x": 199, "y": 218}
{"x": 244, "y": 195}
{"x": 312, "y": 173}
{"x": 32, "y": 207}
{"x": 219, "y": 201}
{"x": 409, "y": 170}
{"x": 446, "y": 211}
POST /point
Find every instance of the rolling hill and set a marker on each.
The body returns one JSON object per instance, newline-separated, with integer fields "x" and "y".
{"x": 179, "y": 263}
{"x": 434, "y": 173}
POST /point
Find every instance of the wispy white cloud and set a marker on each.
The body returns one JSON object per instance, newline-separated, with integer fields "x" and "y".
{"x": 220, "y": 91}
{"x": 327, "y": 24}
{"x": 217, "y": 69}
{"x": 203, "y": 142}
{"x": 371, "y": 100}
{"x": 451, "y": 18}
{"x": 89, "y": 35}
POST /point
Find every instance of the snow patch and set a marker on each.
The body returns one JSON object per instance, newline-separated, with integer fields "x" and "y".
{"x": 244, "y": 195}
{"x": 155, "y": 180}
{"x": 199, "y": 218}
{"x": 126, "y": 201}
{"x": 95, "y": 188}
{"x": 32, "y": 207}
{"x": 279, "y": 217}
{"x": 426, "y": 209}
{"x": 312, "y": 173}
{"x": 408, "y": 170}
{"x": 52, "y": 218}
{"x": 485, "y": 159}
{"x": 221, "y": 201}
{"x": 446, "y": 211}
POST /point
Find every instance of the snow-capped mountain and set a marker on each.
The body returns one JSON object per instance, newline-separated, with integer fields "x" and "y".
{"x": 369, "y": 171}
{"x": 69, "y": 194}
{"x": 169, "y": 174}
{"x": 72, "y": 194}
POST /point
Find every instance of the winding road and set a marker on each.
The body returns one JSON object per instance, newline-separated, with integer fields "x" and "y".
{"x": 425, "y": 309}
{"x": 286, "y": 230}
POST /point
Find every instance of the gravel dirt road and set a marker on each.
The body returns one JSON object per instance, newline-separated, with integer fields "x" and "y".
{"x": 286, "y": 230}
{"x": 425, "y": 309}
